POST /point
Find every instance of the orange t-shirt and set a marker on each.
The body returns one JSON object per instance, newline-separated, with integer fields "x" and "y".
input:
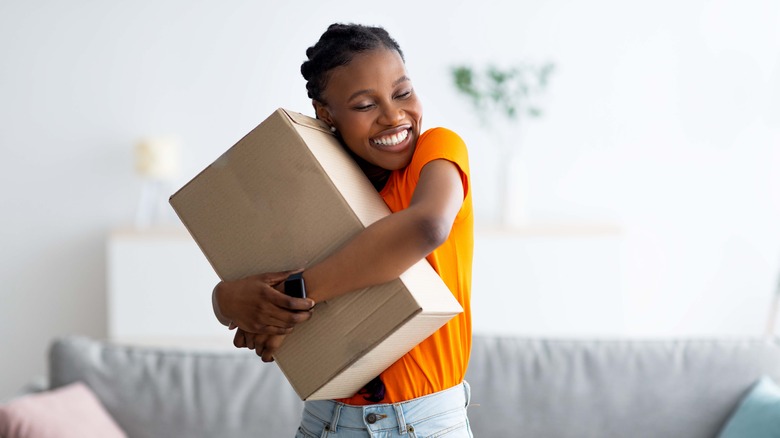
{"x": 439, "y": 362}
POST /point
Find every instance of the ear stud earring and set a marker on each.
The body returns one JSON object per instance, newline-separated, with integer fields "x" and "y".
{"x": 332, "y": 129}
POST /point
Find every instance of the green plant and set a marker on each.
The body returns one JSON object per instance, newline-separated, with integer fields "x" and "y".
{"x": 511, "y": 91}
{"x": 505, "y": 95}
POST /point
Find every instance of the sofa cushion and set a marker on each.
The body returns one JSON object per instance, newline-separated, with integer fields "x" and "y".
{"x": 612, "y": 388}
{"x": 72, "y": 411}
{"x": 758, "y": 415}
{"x": 156, "y": 392}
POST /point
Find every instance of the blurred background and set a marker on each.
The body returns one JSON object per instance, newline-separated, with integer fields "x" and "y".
{"x": 650, "y": 184}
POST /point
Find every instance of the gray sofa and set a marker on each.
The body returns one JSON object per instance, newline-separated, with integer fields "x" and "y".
{"x": 520, "y": 387}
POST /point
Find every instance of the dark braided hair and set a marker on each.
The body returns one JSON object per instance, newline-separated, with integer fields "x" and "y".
{"x": 336, "y": 47}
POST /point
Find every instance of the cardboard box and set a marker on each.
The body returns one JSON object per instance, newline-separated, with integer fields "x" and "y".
{"x": 285, "y": 196}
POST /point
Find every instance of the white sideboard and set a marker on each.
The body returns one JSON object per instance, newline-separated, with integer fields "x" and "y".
{"x": 159, "y": 290}
{"x": 540, "y": 280}
{"x": 559, "y": 280}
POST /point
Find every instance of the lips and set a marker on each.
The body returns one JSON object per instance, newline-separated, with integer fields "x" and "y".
{"x": 394, "y": 140}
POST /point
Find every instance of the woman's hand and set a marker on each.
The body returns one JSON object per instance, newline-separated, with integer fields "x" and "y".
{"x": 264, "y": 345}
{"x": 256, "y": 304}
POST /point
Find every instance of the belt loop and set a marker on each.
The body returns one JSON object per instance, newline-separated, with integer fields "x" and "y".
{"x": 467, "y": 390}
{"x": 334, "y": 421}
{"x": 399, "y": 416}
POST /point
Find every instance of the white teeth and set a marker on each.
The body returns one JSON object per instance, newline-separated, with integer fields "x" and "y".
{"x": 392, "y": 140}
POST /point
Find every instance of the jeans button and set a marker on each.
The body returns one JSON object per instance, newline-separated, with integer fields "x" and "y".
{"x": 371, "y": 418}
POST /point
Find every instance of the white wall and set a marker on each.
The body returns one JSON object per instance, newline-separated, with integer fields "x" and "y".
{"x": 663, "y": 118}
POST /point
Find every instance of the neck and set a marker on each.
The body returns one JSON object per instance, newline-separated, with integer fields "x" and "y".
{"x": 377, "y": 175}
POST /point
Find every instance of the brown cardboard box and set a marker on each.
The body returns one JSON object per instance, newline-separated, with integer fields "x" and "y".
{"x": 284, "y": 197}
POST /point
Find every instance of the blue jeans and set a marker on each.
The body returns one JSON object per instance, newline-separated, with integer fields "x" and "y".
{"x": 442, "y": 414}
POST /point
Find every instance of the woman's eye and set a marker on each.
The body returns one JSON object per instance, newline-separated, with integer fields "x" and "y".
{"x": 404, "y": 95}
{"x": 364, "y": 107}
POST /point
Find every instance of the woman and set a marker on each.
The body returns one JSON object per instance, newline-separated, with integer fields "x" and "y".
{"x": 357, "y": 80}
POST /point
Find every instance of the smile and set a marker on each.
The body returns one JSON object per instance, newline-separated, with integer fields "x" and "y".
{"x": 391, "y": 140}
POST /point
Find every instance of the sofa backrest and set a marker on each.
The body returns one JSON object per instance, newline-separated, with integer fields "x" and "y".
{"x": 155, "y": 392}
{"x": 520, "y": 387}
{"x": 619, "y": 388}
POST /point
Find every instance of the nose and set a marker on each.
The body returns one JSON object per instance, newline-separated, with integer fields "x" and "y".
{"x": 391, "y": 115}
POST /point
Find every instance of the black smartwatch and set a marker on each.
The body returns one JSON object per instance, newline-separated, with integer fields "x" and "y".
{"x": 294, "y": 286}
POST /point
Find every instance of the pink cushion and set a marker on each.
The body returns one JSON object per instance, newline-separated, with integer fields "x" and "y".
{"x": 70, "y": 411}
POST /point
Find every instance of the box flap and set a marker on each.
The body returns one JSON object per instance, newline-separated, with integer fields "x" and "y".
{"x": 303, "y": 120}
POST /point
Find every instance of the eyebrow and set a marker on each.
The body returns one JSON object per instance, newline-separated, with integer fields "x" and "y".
{"x": 400, "y": 80}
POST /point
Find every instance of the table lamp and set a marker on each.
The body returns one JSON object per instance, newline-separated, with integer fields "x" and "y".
{"x": 157, "y": 162}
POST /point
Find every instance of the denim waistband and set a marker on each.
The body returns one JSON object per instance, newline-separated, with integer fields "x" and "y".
{"x": 390, "y": 415}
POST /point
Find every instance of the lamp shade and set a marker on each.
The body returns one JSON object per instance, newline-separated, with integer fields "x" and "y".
{"x": 158, "y": 158}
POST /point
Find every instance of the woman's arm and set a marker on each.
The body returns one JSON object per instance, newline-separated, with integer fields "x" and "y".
{"x": 390, "y": 246}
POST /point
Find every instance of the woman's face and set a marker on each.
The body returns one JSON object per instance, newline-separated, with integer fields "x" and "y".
{"x": 373, "y": 106}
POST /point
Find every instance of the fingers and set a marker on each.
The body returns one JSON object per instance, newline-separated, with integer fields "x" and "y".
{"x": 238, "y": 339}
{"x": 277, "y": 323}
{"x": 271, "y": 330}
{"x": 283, "y": 301}
{"x": 273, "y": 278}
{"x": 265, "y": 346}
{"x": 270, "y": 345}
{"x": 260, "y": 342}
{"x": 281, "y": 317}
{"x": 267, "y": 356}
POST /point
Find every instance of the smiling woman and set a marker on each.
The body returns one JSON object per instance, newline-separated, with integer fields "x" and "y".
{"x": 358, "y": 82}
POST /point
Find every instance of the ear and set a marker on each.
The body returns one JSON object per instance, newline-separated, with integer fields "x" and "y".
{"x": 322, "y": 112}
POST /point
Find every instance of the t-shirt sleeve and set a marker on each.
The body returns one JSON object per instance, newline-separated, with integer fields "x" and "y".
{"x": 441, "y": 143}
